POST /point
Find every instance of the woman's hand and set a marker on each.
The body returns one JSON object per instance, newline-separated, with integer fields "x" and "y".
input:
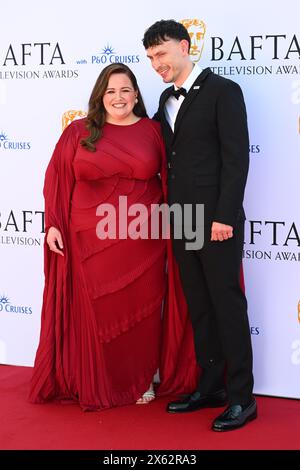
{"x": 54, "y": 241}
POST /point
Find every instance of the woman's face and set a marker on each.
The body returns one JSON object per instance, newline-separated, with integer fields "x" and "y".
{"x": 119, "y": 98}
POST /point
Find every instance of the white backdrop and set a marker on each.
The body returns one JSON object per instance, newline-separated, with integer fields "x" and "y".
{"x": 50, "y": 57}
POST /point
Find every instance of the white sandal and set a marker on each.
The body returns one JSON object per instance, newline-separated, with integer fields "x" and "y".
{"x": 147, "y": 396}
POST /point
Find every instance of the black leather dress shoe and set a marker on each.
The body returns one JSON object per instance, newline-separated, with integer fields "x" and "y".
{"x": 235, "y": 416}
{"x": 196, "y": 401}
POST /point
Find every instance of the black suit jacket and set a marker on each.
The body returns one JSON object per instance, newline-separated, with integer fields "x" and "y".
{"x": 208, "y": 153}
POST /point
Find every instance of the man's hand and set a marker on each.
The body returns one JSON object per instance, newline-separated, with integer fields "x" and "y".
{"x": 221, "y": 232}
{"x": 54, "y": 240}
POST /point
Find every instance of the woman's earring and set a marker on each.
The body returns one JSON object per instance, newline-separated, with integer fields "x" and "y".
{"x": 136, "y": 101}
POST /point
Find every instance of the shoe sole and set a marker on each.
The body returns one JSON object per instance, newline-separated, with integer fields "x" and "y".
{"x": 250, "y": 418}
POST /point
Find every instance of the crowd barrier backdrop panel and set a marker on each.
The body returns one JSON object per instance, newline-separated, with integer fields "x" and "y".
{"x": 50, "y": 57}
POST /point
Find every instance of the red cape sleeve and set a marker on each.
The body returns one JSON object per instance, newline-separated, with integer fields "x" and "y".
{"x": 48, "y": 378}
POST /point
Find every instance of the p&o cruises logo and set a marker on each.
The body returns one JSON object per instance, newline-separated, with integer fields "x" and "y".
{"x": 9, "y": 307}
{"x": 8, "y": 144}
{"x": 108, "y": 56}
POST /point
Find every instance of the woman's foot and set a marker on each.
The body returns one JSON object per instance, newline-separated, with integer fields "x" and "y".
{"x": 147, "y": 397}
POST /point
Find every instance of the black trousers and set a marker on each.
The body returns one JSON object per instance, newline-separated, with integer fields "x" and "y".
{"x": 218, "y": 311}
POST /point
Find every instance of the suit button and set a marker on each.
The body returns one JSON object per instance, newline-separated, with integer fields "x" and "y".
{"x": 173, "y": 153}
{"x": 172, "y": 176}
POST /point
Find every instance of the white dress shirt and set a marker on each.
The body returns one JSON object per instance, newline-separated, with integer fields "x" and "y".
{"x": 172, "y": 104}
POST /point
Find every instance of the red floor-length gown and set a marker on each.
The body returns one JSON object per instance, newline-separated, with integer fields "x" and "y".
{"x": 100, "y": 341}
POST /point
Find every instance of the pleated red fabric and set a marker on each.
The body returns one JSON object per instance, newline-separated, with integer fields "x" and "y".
{"x": 103, "y": 335}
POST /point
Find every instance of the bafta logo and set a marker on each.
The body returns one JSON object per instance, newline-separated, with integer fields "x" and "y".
{"x": 70, "y": 116}
{"x": 196, "y": 29}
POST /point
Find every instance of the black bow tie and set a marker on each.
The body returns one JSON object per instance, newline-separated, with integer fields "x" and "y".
{"x": 177, "y": 93}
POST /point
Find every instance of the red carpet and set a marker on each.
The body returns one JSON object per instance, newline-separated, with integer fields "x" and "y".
{"x": 55, "y": 426}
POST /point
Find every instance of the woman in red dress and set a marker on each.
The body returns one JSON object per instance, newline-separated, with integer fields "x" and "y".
{"x": 100, "y": 342}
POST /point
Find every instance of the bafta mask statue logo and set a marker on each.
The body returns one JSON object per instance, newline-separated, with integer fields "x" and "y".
{"x": 196, "y": 29}
{"x": 70, "y": 116}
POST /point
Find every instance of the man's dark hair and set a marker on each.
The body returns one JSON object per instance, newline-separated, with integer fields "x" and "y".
{"x": 162, "y": 31}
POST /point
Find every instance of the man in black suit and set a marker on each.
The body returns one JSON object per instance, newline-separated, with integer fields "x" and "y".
{"x": 204, "y": 124}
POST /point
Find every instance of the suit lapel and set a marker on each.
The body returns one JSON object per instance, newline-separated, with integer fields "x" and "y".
{"x": 165, "y": 96}
{"x": 193, "y": 92}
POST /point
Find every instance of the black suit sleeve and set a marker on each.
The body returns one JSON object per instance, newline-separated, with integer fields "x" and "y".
{"x": 156, "y": 116}
{"x": 163, "y": 97}
{"x": 234, "y": 145}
